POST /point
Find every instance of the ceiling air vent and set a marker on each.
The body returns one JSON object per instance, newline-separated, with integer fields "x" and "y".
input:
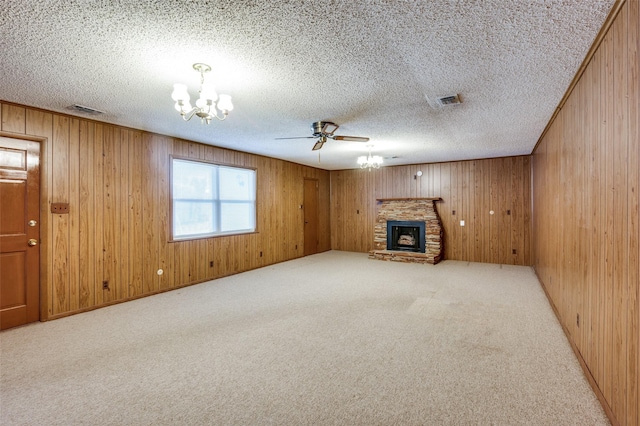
{"x": 85, "y": 110}
{"x": 449, "y": 100}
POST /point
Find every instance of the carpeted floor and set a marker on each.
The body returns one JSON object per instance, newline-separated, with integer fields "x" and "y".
{"x": 333, "y": 338}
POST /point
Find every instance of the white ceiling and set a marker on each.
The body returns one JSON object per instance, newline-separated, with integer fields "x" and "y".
{"x": 374, "y": 67}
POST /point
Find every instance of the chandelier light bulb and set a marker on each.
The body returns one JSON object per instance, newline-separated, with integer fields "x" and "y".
{"x": 180, "y": 92}
{"x": 224, "y": 103}
{"x": 208, "y": 92}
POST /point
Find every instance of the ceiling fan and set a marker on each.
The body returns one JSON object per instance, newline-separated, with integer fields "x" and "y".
{"x": 323, "y": 130}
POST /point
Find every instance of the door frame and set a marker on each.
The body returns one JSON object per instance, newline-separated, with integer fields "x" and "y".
{"x": 45, "y": 232}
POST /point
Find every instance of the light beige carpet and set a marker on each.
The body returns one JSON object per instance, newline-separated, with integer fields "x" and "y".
{"x": 330, "y": 339}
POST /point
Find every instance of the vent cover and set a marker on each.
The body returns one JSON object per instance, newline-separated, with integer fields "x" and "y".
{"x": 85, "y": 109}
{"x": 449, "y": 100}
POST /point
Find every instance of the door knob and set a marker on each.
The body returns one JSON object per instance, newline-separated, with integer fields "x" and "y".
{"x": 32, "y": 242}
{"x": 33, "y": 223}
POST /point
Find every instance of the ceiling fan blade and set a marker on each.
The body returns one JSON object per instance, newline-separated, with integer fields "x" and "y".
{"x": 318, "y": 144}
{"x": 298, "y": 137}
{"x": 329, "y": 128}
{"x": 350, "y": 138}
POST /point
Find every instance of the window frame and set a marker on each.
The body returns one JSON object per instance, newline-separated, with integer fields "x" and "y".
{"x": 217, "y": 204}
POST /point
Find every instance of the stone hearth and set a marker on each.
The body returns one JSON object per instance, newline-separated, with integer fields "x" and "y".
{"x": 408, "y": 209}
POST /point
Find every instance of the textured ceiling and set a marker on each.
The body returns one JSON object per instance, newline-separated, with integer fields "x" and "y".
{"x": 374, "y": 67}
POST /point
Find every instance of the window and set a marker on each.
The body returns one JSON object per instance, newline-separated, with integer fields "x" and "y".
{"x": 208, "y": 199}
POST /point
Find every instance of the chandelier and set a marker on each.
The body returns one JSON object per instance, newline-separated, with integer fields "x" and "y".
{"x": 369, "y": 161}
{"x": 206, "y": 107}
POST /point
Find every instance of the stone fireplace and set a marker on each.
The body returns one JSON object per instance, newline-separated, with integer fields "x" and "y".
{"x": 408, "y": 230}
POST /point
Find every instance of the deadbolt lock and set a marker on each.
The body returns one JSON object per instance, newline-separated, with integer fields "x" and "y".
{"x": 32, "y": 242}
{"x": 33, "y": 222}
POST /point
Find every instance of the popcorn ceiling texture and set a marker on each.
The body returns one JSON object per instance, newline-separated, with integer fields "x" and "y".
{"x": 374, "y": 67}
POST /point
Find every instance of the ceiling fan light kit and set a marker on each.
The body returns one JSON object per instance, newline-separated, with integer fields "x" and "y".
{"x": 206, "y": 106}
{"x": 319, "y": 143}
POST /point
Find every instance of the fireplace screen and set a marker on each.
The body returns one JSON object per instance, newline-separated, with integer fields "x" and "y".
{"x": 406, "y": 236}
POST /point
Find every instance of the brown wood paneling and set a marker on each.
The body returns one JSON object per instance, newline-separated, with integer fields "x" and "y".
{"x": 116, "y": 181}
{"x": 60, "y": 194}
{"x": 586, "y": 214}
{"x": 470, "y": 188}
{"x": 86, "y": 208}
{"x": 619, "y": 142}
{"x": 150, "y": 212}
{"x": 633, "y": 291}
{"x": 166, "y": 253}
{"x": 110, "y": 214}
{"x": 13, "y": 119}
{"x": 74, "y": 216}
{"x": 134, "y": 219}
{"x": 609, "y": 215}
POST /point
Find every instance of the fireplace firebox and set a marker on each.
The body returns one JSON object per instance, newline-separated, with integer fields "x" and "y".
{"x": 406, "y": 236}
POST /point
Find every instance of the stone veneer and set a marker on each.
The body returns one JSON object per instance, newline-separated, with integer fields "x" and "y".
{"x": 418, "y": 209}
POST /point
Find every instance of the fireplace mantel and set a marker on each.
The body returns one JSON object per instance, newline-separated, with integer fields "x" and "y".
{"x": 408, "y": 209}
{"x": 408, "y": 199}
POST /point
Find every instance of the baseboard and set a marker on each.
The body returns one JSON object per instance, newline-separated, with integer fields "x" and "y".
{"x": 583, "y": 364}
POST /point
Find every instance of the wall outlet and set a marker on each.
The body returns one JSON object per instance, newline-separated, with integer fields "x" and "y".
{"x": 105, "y": 285}
{"x": 462, "y": 223}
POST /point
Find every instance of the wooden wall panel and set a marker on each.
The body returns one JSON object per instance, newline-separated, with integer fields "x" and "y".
{"x": 471, "y": 189}
{"x": 61, "y": 278}
{"x": 111, "y": 240}
{"x": 13, "y": 119}
{"x": 74, "y": 216}
{"x": 586, "y": 213}
{"x": 116, "y": 181}
{"x": 633, "y": 290}
{"x": 98, "y": 213}
{"x": 166, "y": 260}
{"x": 86, "y": 208}
{"x": 134, "y": 219}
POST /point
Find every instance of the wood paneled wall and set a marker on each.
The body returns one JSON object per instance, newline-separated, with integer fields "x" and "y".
{"x": 116, "y": 181}
{"x": 469, "y": 191}
{"x": 586, "y": 214}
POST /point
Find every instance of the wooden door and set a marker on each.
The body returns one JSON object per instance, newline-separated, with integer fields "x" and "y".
{"x": 19, "y": 232}
{"x": 310, "y": 216}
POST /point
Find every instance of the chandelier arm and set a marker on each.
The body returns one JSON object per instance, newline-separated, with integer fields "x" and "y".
{"x": 224, "y": 116}
{"x": 189, "y": 115}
